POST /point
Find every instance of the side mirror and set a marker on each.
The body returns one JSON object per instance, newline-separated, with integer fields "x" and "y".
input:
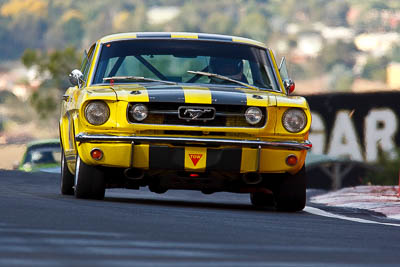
{"x": 76, "y": 78}
{"x": 289, "y": 86}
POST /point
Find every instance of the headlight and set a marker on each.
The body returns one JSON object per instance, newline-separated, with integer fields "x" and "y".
{"x": 97, "y": 112}
{"x": 294, "y": 120}
{"x": 253, "y": 115}
{"x": 139, "y": 112}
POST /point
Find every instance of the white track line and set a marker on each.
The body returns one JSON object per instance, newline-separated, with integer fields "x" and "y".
{"x": 319, "y": 212}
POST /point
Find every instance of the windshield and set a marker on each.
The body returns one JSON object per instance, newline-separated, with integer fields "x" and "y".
{"x": 178, "y": 61}
{"x": 44, "y": 155}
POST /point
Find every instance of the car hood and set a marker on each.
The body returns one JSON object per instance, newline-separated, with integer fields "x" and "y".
{"x": 215, "y": 94}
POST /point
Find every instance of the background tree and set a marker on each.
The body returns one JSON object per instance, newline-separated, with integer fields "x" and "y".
{"x": 335, "y": 13}
{"x": 337, "y": 53}
{"x": 25, "y": 23}
{"x": 375, "y": 69}
{"x": 255, "y": 26}
{"x": 54, "y": 68}
{"x": 395, "y": 53}
{"x": 341, "y": 78}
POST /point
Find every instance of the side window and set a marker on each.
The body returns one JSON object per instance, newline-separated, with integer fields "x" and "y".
{"x": 283, "y": 70}
{"x": 247, "y": 72}
{"x": 87, "y": 59}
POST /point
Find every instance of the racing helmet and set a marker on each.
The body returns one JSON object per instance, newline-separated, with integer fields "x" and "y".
{"x": 226, "y": 66}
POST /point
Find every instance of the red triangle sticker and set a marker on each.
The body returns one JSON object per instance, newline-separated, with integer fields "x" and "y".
{"x": 195, "y": 158}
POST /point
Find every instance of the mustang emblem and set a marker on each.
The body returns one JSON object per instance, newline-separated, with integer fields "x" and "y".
{"x": 196, "y": 113}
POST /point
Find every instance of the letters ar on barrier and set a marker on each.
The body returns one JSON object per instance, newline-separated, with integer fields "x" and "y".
{"x": 355, "y": 125}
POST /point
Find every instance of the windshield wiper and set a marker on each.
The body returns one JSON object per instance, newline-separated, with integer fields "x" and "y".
{"x": 221, "y": 77}
{"x": 136, "y": 78}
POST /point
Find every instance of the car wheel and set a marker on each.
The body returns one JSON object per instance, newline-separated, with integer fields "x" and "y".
{"x": 290, "y": 194}
{"x": 259, "y": 199}
{"x": 89, "y": 181}
{"x": 67, "y": 178}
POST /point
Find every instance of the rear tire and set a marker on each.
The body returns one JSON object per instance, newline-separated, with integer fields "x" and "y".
{"x": 67, "y": 178}
{"x": 89, "y": 181}
{"x": 290, "y": 194}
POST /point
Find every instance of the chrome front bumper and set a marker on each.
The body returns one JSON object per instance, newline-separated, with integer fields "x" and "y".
{"x": 292, "y": 145}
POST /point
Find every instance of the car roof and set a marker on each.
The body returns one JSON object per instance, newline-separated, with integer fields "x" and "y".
{"x": 43, "y": 142}
{"x": 180, "y": 35}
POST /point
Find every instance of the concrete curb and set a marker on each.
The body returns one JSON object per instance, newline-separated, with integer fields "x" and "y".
{"x": 380, "y": 199}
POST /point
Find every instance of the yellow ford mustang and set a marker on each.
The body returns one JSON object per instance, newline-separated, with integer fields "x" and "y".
{"x": 184, "y": 111}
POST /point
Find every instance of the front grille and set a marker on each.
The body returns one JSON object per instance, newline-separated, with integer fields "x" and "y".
{"x": 195, "y": 133}
{"x": 211, "y": 115}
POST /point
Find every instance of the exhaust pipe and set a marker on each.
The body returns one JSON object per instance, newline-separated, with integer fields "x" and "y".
{"x": 252, "y": 178}
{"x": 134, "y": 173}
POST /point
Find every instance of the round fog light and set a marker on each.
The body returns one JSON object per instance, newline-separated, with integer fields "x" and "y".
{"x": 253, "y": 115}
{"x": 96, "y": 154}
{"x": 291, "y": 160}
{"x": 139, "y": 112}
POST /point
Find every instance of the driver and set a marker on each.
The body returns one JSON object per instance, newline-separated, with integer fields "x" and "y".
{"x": 229, "y": 67}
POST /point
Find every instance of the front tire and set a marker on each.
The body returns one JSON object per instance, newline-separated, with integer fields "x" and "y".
{"x": 260, "y": 199}
{"x": 290, "y": 194}
{"x": 67, "y": 178}
{"x": 89, "y": 181}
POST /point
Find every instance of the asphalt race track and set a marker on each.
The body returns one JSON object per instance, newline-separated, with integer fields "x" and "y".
{"x": 40, "y": 227}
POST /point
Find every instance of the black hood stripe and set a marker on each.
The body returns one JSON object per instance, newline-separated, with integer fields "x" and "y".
{"x": 215, "y": 38}
{"x": 153, "y": 35}
{"x": 176, "y": 94}
{"x": 228, "y": 97}
{"x": 166, "y": 94}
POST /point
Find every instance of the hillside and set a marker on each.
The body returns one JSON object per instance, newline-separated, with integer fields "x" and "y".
{"x": 330, "y": 45}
